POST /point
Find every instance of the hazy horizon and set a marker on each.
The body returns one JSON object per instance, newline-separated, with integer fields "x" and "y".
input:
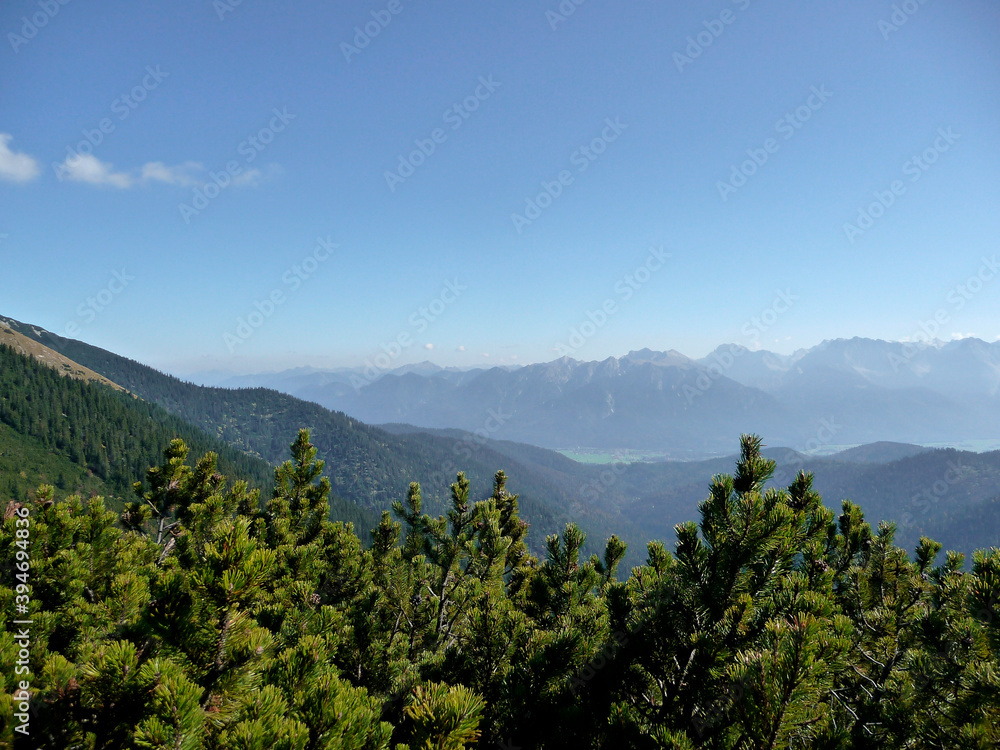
{"x": 433, "y": 358}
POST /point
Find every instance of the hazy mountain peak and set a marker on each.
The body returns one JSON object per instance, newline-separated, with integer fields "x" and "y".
{"x": 671, "y": 357}
{"x": 424, "y": 367}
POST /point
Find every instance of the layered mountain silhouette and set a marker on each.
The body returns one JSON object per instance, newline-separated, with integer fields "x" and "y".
{"x": 949, "y": 495}
{"x": 841, "y": 392}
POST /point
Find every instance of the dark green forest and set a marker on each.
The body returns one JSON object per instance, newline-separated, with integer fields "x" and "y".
{"x": 948, "y": 494}
{"x": 203, "y": 615}
{"x": 88, "y": 438}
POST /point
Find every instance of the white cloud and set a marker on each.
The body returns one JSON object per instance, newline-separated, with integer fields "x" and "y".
{"x": 462, "y": 348}
{"x": 88, "y": 168}
{"x": 250, "y": 178}
{"x": 960, "y": 336}
{"x": 16, "y": 167}
{"x": 255, "y": 177}
{"x": 182, "y": 174}
{"x": 428, "y": 346}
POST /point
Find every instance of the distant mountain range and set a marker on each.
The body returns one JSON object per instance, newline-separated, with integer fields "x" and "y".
{"x": 841, "y": 392}
{"x": 952, "y": 496}
{"x": 367, "y": 466}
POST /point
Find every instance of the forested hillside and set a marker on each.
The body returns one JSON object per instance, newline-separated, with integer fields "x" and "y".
{"x": 63, "y": 365}
{"x": 773, "y": 623}
{"x": 941, "y": 493}
{"x": 946, "y": 494}
{"x": 113, "y": 435}
{"x": 87, "y": 437}
{"x": 367, "y": 466}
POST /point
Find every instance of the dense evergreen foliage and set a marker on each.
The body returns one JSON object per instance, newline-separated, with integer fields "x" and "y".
{"x": 25, "y": 463}
{"x": 113, "y": 435}
{"x": 201, "y": 617}
{"x": 945, "y": 493}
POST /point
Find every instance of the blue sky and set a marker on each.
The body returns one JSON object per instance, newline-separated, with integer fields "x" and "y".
{"x": 625, "y": 114}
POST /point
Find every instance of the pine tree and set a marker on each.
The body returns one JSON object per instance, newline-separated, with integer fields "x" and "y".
{"x": 199, "y": 618}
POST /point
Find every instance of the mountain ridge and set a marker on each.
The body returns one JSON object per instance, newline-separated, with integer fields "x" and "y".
{"x": 47, "y": 356}
{"x": 648, "y": 400}
{"x": 370, "y": 467}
